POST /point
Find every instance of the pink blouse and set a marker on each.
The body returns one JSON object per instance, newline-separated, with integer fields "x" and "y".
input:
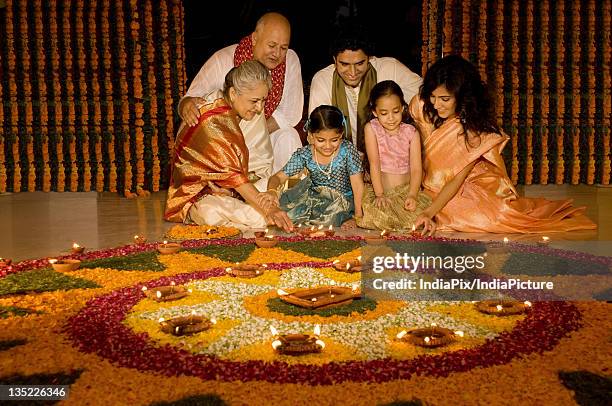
{"x": 394, "y": 150}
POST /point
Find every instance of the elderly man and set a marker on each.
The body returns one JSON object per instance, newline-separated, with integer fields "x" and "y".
{"x": 347, "y": 82}
{"x": 268, "y": 44}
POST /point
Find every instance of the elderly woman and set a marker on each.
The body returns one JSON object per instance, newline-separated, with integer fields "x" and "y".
{"x": 210, "y": 183}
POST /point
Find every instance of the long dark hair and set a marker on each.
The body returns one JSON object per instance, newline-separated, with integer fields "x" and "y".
{"x": 474, "y": 108}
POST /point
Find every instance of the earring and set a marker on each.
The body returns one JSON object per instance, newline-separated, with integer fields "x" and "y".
{"x": 462, "y": 118}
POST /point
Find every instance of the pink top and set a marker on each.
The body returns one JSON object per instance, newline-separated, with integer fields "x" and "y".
{"x": 394, "y": 150}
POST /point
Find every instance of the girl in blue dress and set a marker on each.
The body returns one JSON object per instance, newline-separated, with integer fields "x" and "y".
{"x": 331, "y": 193}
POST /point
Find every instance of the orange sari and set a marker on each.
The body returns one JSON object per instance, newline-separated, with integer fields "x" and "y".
{"x": 214, "y": 150}
{"x": 487, "y": 201}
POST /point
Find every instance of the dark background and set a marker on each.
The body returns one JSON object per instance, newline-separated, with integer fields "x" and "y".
{"x": 395, "y": 28}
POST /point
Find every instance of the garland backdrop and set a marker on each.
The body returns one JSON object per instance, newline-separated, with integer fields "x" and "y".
{"x": 548, "y": 62}
{"x": 88, "y": 88}
{"x": 88, "y": 93}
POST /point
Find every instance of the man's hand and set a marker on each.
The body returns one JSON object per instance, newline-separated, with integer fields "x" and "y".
{"x": 280, "y": 219}
{"x": 429, "y": 226}
{"x": 189, "y": 111}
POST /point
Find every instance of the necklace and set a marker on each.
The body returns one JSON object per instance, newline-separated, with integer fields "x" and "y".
{"x": 331, "y": 164}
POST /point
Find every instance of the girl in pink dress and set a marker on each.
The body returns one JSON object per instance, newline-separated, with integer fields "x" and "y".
{"x": 393, "y": 153}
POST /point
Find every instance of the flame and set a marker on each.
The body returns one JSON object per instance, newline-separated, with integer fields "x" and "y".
{"x": 193, "y": 312}
{"x": 383, "y": 232}
{"x": 317, "y": 330}
{"x": 459, "y": 333}
{"x": 213, "y": 320}
{"x": 320, "y": 343}
{"x": 527, "y": 303}
{"x": 144, "y": 288}
{"x": 172, "y": 283}
{"x": 177, "y": 330}
{"x": 499, "y": 308}
{"x": 276, "y": 344}
{"x": 190, "y": 290}
{"x": 314, "y": 299}
{"x": 256, "y": 272}
{"x": 427, "y": 340}
{"x": 52, "y": 260}
{"x": 161, "y": 319}
{"x": 228, "y": 269}
{"x": 273, "y": 330}
{"x": 545, "y": 239}
{"x": 354, "y": 287}
{"x": 312, "y": 228}
{"x": 265, "y": 231}
{"x": 401, "y": 334}
{"x": 281, "y": 292}
{"x": 320, "y": 227}
{"x": 359, "y": 258}
{"x": 264, "y": 265}
{"x": 506, "y": 240}
{"x": 269, "y": 236}
{"x": 336, "y": 261}
{"x": 433, "y": 324}
{"x": 348, "y": 266}
{"x": 158, "y": 294}
{"x": 330, "y": 227}
{"x": 165, "y": 242}
{"x": 75, "y": 245}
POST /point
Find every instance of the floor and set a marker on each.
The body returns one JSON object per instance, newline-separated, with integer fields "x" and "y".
{"x": 38, "y": 224}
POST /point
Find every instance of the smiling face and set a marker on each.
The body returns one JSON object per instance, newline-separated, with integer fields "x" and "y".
{"x": 388, "y": 111}
{"x": 351, "y": 66}
{"x": 326, "y": 142}
{"x": 271, "y": 42}
{"x": 250, "y": 102}
{"x": 444, "y": 102}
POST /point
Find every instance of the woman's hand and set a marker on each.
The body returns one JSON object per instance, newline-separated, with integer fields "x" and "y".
{"x": 280, "y": 219}
{"x": 429, "y": 226}
{"x": 268, "y": 199}
{"x": 219, "y": 191}
{"x": 382, "y": 202}
{"x": 410, "y": 204}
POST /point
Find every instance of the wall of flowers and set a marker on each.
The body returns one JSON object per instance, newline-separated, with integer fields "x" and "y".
{"x": 548, "y": 63}
{"x": 88, "y": 90}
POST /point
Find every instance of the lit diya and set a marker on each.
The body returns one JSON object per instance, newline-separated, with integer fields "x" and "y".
{"x": 246, "y": 270}
{"x": 267, "y": 241}
{"x": 497, "y": 247}
{"x": 5, "y": 262}
{"x": 315, "y": 232}
{"x": 348, "y": 266}
{"x": 65, "y": 265}
{"x": 139, "y": 239}
{"x": 297, "y": 344}
{"x": 77, "y": 249}
{"x": 167, "y": 248}
{"x": 545, "y": 241}
{"x": 502, "y": 307}
{"x": 186, "y": 325}
{"x": 319, "y": 298}
{"x": 166, "y": 293}
{"x": 378, "y": 239}
{"x": 429, "y": 337}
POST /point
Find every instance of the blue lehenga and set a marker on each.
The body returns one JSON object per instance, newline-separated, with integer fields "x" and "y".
{"x": 325, "y": 196}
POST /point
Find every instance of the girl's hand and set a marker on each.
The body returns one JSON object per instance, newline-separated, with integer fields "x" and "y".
{"x": 267, "y": 199}
{"x": 429, "y": 226}
{"x": 350, "y": 224}
{"x": 410, "y": 204}
{"x": 382, "y": 202}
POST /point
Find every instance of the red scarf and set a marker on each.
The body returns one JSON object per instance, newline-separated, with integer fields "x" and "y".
{"x": 244, "y": 52}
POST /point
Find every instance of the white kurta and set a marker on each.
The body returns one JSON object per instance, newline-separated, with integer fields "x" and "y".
{"x": 288, "y": 113}
{"x": 386, "y": 69}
